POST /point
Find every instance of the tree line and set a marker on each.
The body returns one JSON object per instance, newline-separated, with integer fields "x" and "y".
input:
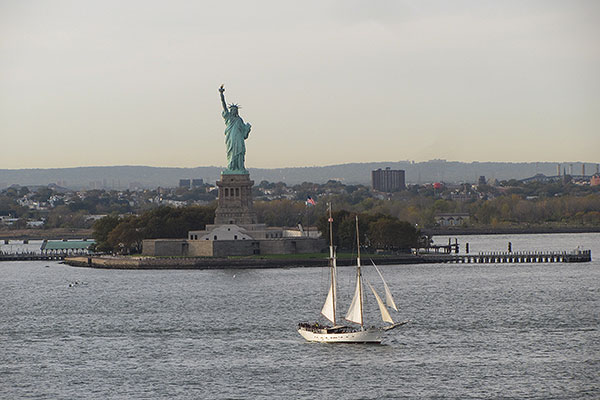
{"x": 376, "y": 231}
{"x": 125, "y": 234}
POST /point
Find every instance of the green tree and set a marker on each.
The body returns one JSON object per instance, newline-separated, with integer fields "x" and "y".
{"x": 127, "y": 236}
{"x": 344, "y": 228}
{"x": 392, "y": 234}
{"x": 284, "y": 212}
{"x": 23, "y": 191}
{"x": 42, "y": 194}
{"x": 169, "y": 222}
{"x": 101, "y": 230}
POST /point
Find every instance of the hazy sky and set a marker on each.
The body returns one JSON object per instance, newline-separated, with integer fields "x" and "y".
{"x": 322, "y": 82}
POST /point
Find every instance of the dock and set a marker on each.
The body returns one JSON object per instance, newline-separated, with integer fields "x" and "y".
{"x": 519, "y": 257}
{"x": 32, "y": 257}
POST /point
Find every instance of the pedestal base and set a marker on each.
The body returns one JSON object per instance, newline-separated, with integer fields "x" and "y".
{"x": 235, "y": 204}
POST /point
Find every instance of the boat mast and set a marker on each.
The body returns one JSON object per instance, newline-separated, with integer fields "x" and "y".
{"x": 332, "y": 262}
{"x": 359, "y": 276}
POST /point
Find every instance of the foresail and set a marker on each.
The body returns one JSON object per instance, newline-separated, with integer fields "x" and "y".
{"x": 385, "y": 314}
{"x": 328, "y": 308}
{"x": 388, "y": 294}
{"x": 354, "y": 312}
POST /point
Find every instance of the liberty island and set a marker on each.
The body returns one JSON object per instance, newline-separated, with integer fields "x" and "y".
{"x": 236, "y": 230}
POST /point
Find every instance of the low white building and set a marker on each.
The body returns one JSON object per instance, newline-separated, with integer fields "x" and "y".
{"x": 452, "y": 219}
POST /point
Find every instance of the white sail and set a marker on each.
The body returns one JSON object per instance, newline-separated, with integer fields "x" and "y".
{"x": 385, "y": 314}
{"x": 355, "y": 312}
{"x": 328, "y": 310}
{"x": 388, "y": 294}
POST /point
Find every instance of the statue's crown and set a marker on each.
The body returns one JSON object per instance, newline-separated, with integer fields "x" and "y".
{"x": 233, "y": 105}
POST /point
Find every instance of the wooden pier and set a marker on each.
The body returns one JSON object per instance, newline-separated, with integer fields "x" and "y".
{"x": 520, "y": 257}
{"x": 32, "y": 257}
{"x": 50, "y": 250}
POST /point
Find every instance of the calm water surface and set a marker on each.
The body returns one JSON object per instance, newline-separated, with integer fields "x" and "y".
{"x": 478, "y": 331}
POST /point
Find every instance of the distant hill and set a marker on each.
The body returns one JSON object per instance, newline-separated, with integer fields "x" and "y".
{"x": 124, "y": 177}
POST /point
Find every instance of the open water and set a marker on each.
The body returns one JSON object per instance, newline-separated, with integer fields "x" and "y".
{"x": 477, "y": 331}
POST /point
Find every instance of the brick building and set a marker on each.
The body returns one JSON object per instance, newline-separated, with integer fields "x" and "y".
{"x": 388, "y": 180}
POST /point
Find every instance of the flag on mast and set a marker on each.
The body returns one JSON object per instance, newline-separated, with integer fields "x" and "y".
{"x": 310, "y": 201}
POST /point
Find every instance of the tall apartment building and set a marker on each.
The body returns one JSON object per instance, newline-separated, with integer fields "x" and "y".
{"x": 388, "y": 180}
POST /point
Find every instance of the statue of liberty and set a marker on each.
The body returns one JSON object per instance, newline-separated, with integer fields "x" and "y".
{"x": 236, "y": 131}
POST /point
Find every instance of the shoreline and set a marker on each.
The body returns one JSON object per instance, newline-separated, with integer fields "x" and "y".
{"x": 175, "y": 263}
{"x": 116, "y": 262}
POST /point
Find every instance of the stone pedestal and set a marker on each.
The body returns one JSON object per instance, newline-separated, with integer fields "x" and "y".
{"x": 235, "y": 204}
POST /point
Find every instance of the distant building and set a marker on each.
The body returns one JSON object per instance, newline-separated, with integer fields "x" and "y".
{"x": 451, "y": 219}
{"x": 197, "y": 183}
{"x": 184, "y": 183}
{"x": 481, "y": 180}
{"x": 388, "y": 180}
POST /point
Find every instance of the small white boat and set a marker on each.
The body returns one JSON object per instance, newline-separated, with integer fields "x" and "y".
{"x": 349, "y": 333}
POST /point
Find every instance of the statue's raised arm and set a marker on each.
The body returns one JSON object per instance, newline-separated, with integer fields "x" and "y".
{"x": 221, "y": 90}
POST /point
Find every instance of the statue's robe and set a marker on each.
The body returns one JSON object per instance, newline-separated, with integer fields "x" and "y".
{"x": 236, "y": 131}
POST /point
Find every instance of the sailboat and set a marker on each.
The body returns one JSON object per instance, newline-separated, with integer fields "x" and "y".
{"x": 349, "y": 333}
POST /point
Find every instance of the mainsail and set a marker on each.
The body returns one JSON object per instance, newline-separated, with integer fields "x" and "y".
{"x": 329, "y": 307}
{"x": 385, "y": 314}
{"x": 328, "y": 310}
{"x": 388, "y": 294}
{"x": 355, "y": 311}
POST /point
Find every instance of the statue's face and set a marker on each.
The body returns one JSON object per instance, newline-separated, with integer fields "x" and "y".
{"x": 233, "y": 110}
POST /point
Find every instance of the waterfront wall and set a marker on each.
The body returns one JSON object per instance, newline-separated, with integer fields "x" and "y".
{"x": 116, "y": 262}
{"x": 174, "y": 247}
{"x": 225, "y": 248}
{"x": 186, "y": 262}
{"x": 295, "y": 246}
